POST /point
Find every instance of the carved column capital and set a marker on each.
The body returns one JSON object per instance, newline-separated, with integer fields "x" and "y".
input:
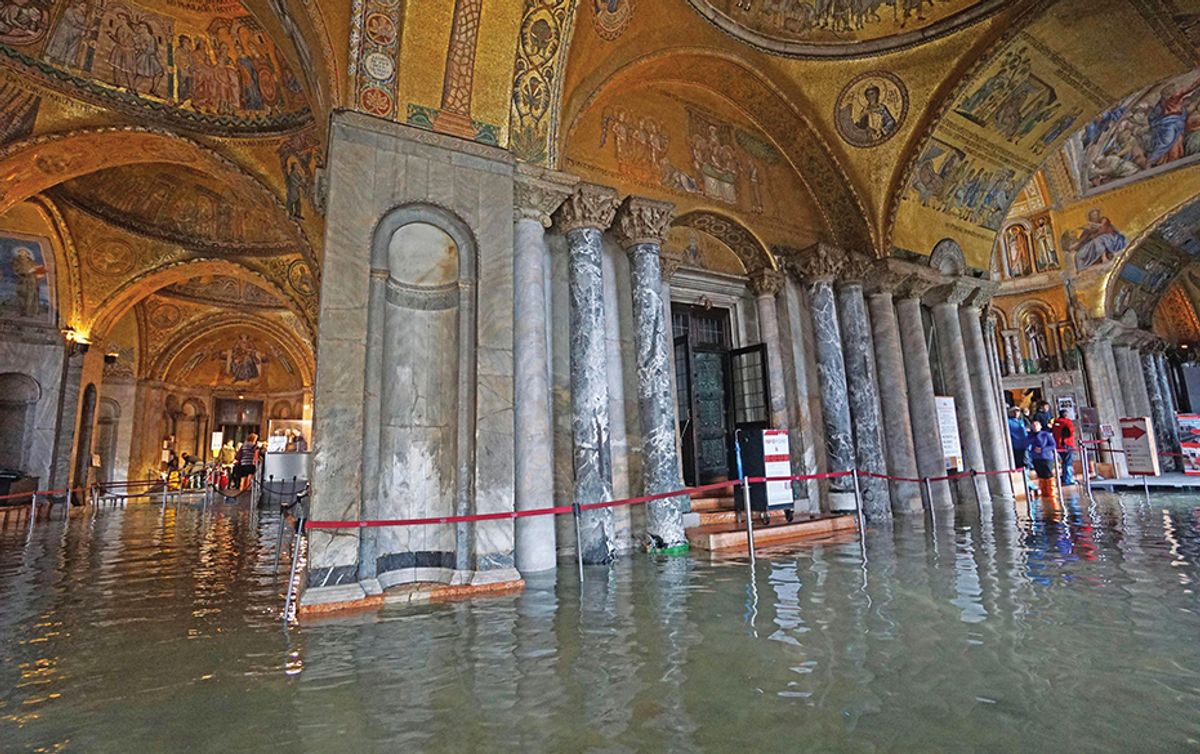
{"x": 588, "y": 206}
{"x": 670, "y": 264}
{"x": 766, "y": 281}
{"x": 819, "y": 263}
{"x": 538, "y": 193}
{"x": 856, "y": 269}
{"x": 955, "y": 293}
{"x": 641, "y": 220}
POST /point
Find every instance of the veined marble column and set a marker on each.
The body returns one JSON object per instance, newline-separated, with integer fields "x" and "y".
{"x": 927, "y": 436}
{"x": 953, "y": 354}
{"x": 1132, "y": 381}
{"x": 583, "y": 217}
{"x": 538, "y": 194}
{"x": 68, "y": 421}
{"x": 1158, "y": 409}
{"x": 993, "y": 431}
{"x": 893, "y": 396}
{"x": 642, "y": 226}
{"x": 819, "y": 266}
{"x": 1105, "y": 387}
{"x": 765, "y": 284}
{"x": 862, "y": 387}
{"x": 1164, "y": 386}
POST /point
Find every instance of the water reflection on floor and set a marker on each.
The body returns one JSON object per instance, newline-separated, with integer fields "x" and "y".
{"x": 131, "y": 630}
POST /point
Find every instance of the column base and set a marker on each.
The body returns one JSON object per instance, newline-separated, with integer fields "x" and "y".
{"x": 842, "y": 502}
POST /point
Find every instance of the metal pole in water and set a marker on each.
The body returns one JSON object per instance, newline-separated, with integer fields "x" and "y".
{"x": 858, "y": 508}
{"x": 279, "y": 540}
{"x": 287, "y": 606}
{"x": 737, "y": 450}
{"x": 1146, "y": 486}
{"x": 164, "y": 503}
{"x": 575, "y": 512}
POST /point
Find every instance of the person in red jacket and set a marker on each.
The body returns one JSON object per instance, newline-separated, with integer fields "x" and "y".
{"x": 1064, "y": 436}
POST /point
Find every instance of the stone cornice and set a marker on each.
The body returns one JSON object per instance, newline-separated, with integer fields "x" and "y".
{"x": 538, "y": 193}
{"x": 589, "y": 206}
{"x": 954, "y": 293}
{"x": 640, "y": 220}
{"x": 766, "y": 282}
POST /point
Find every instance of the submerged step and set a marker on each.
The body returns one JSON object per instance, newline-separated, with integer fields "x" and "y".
{"x": 726, "y": 536}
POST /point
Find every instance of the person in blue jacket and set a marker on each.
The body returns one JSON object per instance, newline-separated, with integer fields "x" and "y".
{"x": 1018, "y": 435}
{"x": 1042, "y": 448}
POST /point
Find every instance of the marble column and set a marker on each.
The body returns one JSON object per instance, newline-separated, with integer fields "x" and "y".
{"x": 642, "y": 226}
{"x": 819, "y": 266}
{"x": 537, "y": 195}
{"x": 583, "y": 217}
{"x": 765, "y": 284}
{"x": 893, "y": 397}
{"x": 1012, "y": 352}
{"x": 1158, "y": 409}
{"x": 918, "y": 373}
{"x": 1132, "y": 381}
{"x": 862, "y": 386}
{"x": 68, "y": 420}
{"x": 953, "y": 354}
{"x": 1164, "y": 386}
{"x": 1104, "y": 383}
{"x": 993, "y": 429}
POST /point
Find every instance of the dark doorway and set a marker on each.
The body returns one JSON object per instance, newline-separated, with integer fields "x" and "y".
{"x": 718, "y": 390}
{"x": 237, "y": 419}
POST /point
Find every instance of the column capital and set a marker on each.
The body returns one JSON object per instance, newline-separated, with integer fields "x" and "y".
{"x": 670, "y": 264}
{"x": 856, "y": 269}
{"x": 588, "y": 206}
{"x": 766, "y": 281}
{"x": 954, "y": 293}
{"x": 819, "y": 263}
{"x": 538, "y": 193}
{"x": 641, "y": 220}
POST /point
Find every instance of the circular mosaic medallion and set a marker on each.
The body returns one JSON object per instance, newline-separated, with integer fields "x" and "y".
{"x": 871, "y": 109}
{"x": 301, "y": 279}
{"x": 376, "y": 101}
{"x": 110, "y": 258}
{"x": 379, "y": 66}
{"x": 380, "y": 29}
{"x": 540, "y": 36}
{"x": 611, "y": 17}
{"x": 165, "y": 316}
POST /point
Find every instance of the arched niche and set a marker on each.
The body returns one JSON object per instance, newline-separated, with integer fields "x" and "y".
{"x": 83, "y": 445}
{"x": 106, "y": 438}
{"x": 19, "y": 394}
{"x": 419, "y": 413}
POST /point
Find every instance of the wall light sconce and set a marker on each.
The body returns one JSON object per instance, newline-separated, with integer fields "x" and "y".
{"x": 76, "y": 342}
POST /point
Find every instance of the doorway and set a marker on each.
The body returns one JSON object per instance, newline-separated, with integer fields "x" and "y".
{"x": 719, "y": 389}
{"x": 237, "y": 419}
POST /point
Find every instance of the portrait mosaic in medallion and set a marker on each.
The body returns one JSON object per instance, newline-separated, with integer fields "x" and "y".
{"x": 840, "y": 28}
{"x": 871, "y": 109}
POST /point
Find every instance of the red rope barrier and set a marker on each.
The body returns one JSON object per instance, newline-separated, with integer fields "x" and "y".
{"x": 43, "y": 493}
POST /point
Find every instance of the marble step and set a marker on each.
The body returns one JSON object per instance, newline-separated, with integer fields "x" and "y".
{"x": 730, "y": 516}
{"x": 730, "y": 536}
{"x": 709, "y": 504}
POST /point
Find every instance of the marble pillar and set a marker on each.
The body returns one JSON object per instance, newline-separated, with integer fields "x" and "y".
{"x": 622, "y": 383}
{"x": 862, "y": 386}
{"x": 1132, "y": 381}
{"x": 1104, "y": 384}
{"x": 1172, "y": 410}
{"x": 642, "y": 226}
{"x": 796, "y": 341}
{"x": 893, "y": 399}
{"x": 765, "y": 284}
{"x": 918, "y": 373}
{"x": 537, "y": 194}
{"x": 993, "y": 428}
{"x": 68, "y": 420}
{"x": 819, "y": 266}
{"x": 953, "y": 354}
{"x": 583, "y": 217}
{"x": 1158, "y": 410}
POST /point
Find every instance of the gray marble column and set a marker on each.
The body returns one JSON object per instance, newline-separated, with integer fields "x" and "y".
{"x": 1158, "y": 410}
{"x": 538, "y": 194}
{"x": 642, "y": 226}
{"x": 765, "y": 285}
{"x": 955, "y": 370}
{"x": 583, "y": 217}
{"x": 818, "y": 266}
{"x": 927, "y": 436}
{"x": 67, "y": 422}
{"x": 862, "y": 386}
{"x": 993, "y": 429}
{"x": 1164, "y": 386}
{"x": 1132, "y": 380}
{"x": 1104, "y": 384}
{"x": 893, "y": 397}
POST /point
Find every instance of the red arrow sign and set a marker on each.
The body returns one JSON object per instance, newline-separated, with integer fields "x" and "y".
{"x": 1133, "y": 433}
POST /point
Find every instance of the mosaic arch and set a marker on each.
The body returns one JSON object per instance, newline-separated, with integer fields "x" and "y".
{"x": 235, "y": 352}
{"x": 205, "y": 64}
{"x": 840, "y": 28}
{"x": 732, "y": 234}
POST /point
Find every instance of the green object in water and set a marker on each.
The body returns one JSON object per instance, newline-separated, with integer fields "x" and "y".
{"x": 676, "y": 550}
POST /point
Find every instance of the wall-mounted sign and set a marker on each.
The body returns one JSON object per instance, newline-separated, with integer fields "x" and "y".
{"x": 948, "y": 424}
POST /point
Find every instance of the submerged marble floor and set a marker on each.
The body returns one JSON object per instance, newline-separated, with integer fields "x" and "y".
{"x": 134, "y": 631}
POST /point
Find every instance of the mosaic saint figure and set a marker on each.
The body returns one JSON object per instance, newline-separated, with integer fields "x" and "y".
{"x": 1168, "y": 124}
{"x": 1035, "y": 338}
{"x": 1045, "y": 255}
{"x": 183, "y": 68}
{"x": 875, "y": 117}
{"x": 1019, "y": 257}
{"x": 148, "y": 66}
{"x": 122, "y": 59}
{"x": 67, "y": 39}
{"x": 29, "y": 273}
{"x": 1097, "y": 241}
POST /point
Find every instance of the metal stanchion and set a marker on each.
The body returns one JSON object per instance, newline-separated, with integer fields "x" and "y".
{"x": 1086, "y": 468}
{"x": 741, "y": 472}
{"x": 279, "y": 539}
{"x": 164, "y": 500}
{"x": 975, "y": 489}
{"x": 858, "y": 507}
{"x": 576, "y": 511}
{"x": 1146, "y": 486}
{"x": 287, "y": 605}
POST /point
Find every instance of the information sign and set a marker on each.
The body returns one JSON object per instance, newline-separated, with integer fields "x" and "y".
{"x": 1141, "y": 452}
{"x": 218, "y": 440}
{"x": 777, "y": 462}
{"x": 1089, "y": 420}
{"x": 1189, "y": 437}
{"x": 948, "y": 425}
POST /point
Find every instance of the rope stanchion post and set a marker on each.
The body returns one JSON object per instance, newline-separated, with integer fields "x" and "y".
{"x": 1146, "y": 486}
{"x": 576, "y": 511}
{"x": 287, "y": 605}
{"x": 741, "y": 472}
{"x": 858, "y": 506}
{"x": 164, "y": 498}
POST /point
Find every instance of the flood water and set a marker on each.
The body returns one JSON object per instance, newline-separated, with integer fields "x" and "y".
{"x": 127, "y": 630}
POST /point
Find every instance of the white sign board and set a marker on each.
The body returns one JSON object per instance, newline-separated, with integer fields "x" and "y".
{"x": 948, "y": 425}
{"x": 777, "y": 460}
{"x": 218, "y": 440}
{"x": 1141, "y": 452}
{"x": 276, "y": 444}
